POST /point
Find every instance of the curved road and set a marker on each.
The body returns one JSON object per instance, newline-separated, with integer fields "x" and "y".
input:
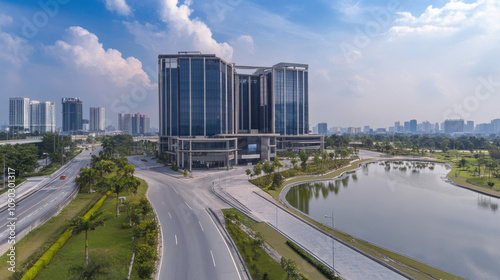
{"x": 193, "y": 247}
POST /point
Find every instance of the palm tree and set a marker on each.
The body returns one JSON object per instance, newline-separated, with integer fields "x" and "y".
{"x": 91, "y": 223}
{"x": 87, "y": 176}
{"x": 122, "y": 184}
{"x": 104, "y": 166}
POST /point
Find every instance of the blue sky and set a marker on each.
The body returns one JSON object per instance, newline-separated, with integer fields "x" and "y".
{"x": 371, "y": 62}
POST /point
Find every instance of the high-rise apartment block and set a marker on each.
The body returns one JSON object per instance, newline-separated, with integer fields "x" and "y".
{"x": 212, "y": 115}
{"x": 453, "y": 126}
{"x": 27, "y": 115}
{"x": 19, "y": 114}
{"x": 133, "y": 124}
{"x": 97, "y": 119}
{"x": 72, "y": 113}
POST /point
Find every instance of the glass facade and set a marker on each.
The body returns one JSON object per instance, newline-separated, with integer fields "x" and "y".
{"x": 203, "y": 95}
{"x": 196, "y": 94}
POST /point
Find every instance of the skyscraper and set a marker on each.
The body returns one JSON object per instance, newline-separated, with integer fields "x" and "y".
{"x": 43, "y": 116}
{"x": 322, "y": 128}
{"x": 19, "y": 114}
{"x": 453, "y": 126}
{"x": 72, "y": 113}
{"x": 133, "y": 124}
{"x": 97, "y": 118}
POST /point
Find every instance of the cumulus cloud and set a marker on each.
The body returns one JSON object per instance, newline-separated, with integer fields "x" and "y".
{"x": 84, "y": 51}
{"x": 192, "y": 34}
{"x": 454, "y": 16}
{"x": 13, "y": 49}
{"x": 118, "y": 6}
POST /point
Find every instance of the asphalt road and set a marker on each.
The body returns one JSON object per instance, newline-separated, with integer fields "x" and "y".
{"x": 193, "y": 247}
{"x": 46, "y": 197}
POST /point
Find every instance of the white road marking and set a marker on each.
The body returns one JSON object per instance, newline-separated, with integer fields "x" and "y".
{"x": 212, "y": 257}
{"x": 188, "y": 205}
{"x": 229, "y": 251}
{"x": 174, "y": 190}
{"x": 176, "y": 239}
{"x": 201, "y": 226}
{"x": 169, "y": 215}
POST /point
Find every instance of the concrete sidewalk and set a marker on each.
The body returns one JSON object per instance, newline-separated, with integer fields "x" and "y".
{"x": 348, "y": 262}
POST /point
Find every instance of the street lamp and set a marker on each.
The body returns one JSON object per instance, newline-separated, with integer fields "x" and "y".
{"x": 333, "y": 251}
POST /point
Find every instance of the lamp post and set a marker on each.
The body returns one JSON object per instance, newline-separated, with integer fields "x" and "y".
{"x": 333, "y": 250}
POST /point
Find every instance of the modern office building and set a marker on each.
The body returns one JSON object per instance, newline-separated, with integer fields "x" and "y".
{"x": 454, "y": 126}
{"x": 27, "y": 115}
{"x": 19, "y": 114}
{"x": 133, "y": 124}
{"x": 323, "y": 129}
{"x": 42, "y": 116}
{"x": 211, "y": 115}
{"x": 97, "y": 119}
{"x": 72, "y": 113}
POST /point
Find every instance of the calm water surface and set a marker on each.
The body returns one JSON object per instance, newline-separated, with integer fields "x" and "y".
{"x": 409, "y": 208}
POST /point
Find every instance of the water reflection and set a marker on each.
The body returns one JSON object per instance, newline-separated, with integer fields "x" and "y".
{"x": 407, "y": 207}
{"x": 486, "y": 202}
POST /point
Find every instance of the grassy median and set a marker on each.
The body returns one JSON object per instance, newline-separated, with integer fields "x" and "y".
{"x": 33, "y": 245}
{"x": 110, "y": 245}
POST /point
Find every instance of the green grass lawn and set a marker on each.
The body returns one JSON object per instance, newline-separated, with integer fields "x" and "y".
{"x": 264, "y": 264}
{"x": 111, "y": 244}
{"x": 277, "y": 241}
{"x": 33, "y": 245}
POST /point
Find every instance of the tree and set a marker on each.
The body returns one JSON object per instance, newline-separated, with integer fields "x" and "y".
{"x": 81, "y": 224}
{"x": 103, "y": 166}
{"x": 444, "y": 145}
{"x": 87, "y": 176}
{"x": 268, "y": 168}
{"x": 491, "y": 165}
{"x": 277, "y": 180}
{"x": 257, "y": 169}
{"x": 290, "y": 267}
{"x": 277, "y": 163}
{"x": 303, "y": 158}
{"x": 120, "y": 185}
{"x": 248, "y": 172}
{"x": 185, "y": 173}
{"x": 462, "y": 162}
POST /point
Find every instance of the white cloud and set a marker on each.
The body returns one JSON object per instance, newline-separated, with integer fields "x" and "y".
{"x": 83, "y": 50}
{"x": 5, "y": 19}
{"x": 118, "y": 6}
{"x": 454, "y": 16}
{"x": 191, "y": 34}
{"x": 13, "y": 49}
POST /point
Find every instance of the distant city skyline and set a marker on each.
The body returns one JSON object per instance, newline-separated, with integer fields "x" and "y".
{"x": 368, "y": 60}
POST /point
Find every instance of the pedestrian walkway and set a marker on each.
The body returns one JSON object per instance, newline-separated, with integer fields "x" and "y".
{"x": 348, "y": 262}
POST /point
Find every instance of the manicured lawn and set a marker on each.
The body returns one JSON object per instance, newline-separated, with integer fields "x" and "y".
{"x": 111, "y": 244}
{"x": 264, "y": 264}
{"x": 277, "y": 241}
{"x": 33, "y": 245}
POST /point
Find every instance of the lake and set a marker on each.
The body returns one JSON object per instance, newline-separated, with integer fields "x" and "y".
{"x": 410, "y": 208}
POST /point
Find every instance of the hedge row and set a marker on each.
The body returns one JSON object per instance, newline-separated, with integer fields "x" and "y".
{"x": 323, "y": 269}
{"x": 95, "y": 207}
{"x": 45, "y": 259}
{"x": 47, "y": 256}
